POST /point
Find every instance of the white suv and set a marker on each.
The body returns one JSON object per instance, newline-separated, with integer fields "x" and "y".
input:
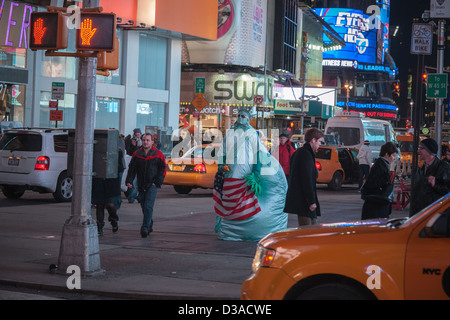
{"x": 35, "y": 159}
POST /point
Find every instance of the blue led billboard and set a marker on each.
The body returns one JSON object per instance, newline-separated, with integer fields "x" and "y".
{"x": 355, "y": 28}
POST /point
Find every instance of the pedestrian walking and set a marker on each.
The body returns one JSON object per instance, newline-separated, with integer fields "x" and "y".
{"x": 285, "y": 152}
{"x": 106, "y": 194}
{"x": 301, "y": 198}
{"x": 131, "y": 145}
{"x": 149, "y": 166}
{"x": 365, "y": 161}
{"x": 378, "y": 190}
{"x": 134, "y": 143}
{"x": 432, "y": 179}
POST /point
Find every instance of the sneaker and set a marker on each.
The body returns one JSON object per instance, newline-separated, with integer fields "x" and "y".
{"x": 144, "y": 233}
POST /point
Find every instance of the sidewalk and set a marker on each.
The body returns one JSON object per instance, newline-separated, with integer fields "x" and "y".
{"x": 181, "y": 259}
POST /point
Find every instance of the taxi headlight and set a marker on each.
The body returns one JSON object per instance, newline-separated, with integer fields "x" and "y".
{"x": 263, "y": 258}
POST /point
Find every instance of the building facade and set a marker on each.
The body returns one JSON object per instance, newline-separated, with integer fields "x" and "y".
{"x": 142, "y": 92}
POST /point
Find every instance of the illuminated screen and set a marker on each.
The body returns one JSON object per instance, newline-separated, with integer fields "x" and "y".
{"x": 353, "y": 26}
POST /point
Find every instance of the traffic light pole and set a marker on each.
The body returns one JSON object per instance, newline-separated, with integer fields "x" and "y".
{"x": 79, "y": 242}
{"x": 439, "y": 70}
{"x": 416, "y": 116}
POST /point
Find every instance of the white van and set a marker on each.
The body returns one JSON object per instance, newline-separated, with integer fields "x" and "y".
{"x": 350, "y": 129}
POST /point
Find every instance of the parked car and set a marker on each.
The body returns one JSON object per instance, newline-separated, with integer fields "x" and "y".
{"x": 195, "y": 169}
{"x": 402, "y": 258}
{"x": 35, "y": 159}
{"x": 337, "y": 165}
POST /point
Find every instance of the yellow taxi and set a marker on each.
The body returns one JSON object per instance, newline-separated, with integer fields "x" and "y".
{"x": 402, "y": 258}
{"x": 195, "y": 169}
{"x": 337, "y": 165}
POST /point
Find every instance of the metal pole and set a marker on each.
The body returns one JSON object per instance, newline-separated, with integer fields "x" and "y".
{"x": 79, "y": 242}
{"x": 416, "y": 123}
{"x": 439, "y": 69}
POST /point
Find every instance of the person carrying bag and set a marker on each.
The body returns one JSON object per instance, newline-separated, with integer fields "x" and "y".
{"x": 378, "y": 190}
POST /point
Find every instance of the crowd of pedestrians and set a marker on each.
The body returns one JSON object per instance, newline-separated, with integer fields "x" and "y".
{"x": 147, "y": 169}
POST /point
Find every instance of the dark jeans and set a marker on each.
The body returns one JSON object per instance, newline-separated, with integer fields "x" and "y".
{"x": 147, "y": 200}
{"x": 363, "y": 173}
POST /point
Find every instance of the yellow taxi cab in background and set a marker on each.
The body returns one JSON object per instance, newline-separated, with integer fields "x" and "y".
{"x": 195, "y": 169}
{"x": 373, "y": 259}
{"x": 337, "y": 165}
{"x": 406, "y": 146}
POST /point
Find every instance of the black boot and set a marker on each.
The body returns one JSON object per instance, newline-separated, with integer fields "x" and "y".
{"x": 100, "y": 226}
{"x": 114, "y": 223}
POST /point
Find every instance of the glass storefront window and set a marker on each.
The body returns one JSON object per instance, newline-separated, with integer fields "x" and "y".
{"x": 67, "y": 106}
{"x": 107, "y": 113}
{"x": 60, "y": 67}
{"x": 12, "y": 102}
{"x": 152, "y": 62}
{"x": 13, "y": 57}
{"x": 149, "y": 114}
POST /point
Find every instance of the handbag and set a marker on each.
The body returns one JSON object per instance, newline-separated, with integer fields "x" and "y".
{"x": 381, "y": 195}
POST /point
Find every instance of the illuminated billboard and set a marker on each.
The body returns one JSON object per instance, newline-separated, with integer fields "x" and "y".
{"x": 355, "y": 28}
{"x": 241, "y": 36}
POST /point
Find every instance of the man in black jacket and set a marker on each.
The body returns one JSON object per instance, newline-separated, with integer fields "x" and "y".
{"x": 432, "y": 179}
{"x": 149, "y": 165}
{"x": 301, "y": 198}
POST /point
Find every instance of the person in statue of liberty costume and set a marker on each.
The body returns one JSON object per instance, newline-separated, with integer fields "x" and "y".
{"x": 250, "y": 187}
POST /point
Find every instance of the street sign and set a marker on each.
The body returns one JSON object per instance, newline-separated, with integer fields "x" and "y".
{"x": 199, "y": 101}
{"x": 57, "y": 90}
{"x": 258, "y": 99}
{"x": 421, "y": 38}
{"x": 437, "y": 86}
{"x": 439, "y": 9}
{"x": 56, "y": 115}
{"x": 53, "y": 104}
{"x": 200, "y": 84}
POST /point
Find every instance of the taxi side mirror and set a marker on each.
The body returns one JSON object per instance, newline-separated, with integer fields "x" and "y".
{"x": 439, "y": 226}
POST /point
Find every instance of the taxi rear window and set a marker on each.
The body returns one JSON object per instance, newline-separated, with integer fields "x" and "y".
{"x": 323, "y": 153}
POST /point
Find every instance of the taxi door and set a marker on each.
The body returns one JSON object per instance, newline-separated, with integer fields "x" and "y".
{"x": 427, "y": 264}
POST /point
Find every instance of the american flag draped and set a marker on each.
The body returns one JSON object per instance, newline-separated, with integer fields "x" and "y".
{"x": 234, "y": 199}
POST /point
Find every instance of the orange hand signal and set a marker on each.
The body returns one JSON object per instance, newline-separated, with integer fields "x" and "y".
{"x": 39, "y": 31}
{"x": 87, "y": 32}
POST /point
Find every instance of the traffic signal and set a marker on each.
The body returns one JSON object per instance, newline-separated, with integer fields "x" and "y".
{"x": 396, "y": 89}
{"x": 424, "y": 78}
{"x": 97, "y": 32}
{"x": 48, "y": 31}
{"x": 109, "y": 60}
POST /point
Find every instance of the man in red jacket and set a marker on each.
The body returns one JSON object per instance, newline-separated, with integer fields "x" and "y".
{"x": 285, "y": 151}
{"x": 149, "y": 165}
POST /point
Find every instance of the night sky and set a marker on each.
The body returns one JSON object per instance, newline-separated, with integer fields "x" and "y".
{"x": 402, "y": 14}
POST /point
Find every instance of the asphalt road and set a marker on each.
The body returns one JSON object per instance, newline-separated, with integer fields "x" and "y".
{"x": 181, "y": 258}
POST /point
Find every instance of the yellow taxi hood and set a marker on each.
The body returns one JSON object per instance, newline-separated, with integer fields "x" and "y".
{"x": 332, "y": 229}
